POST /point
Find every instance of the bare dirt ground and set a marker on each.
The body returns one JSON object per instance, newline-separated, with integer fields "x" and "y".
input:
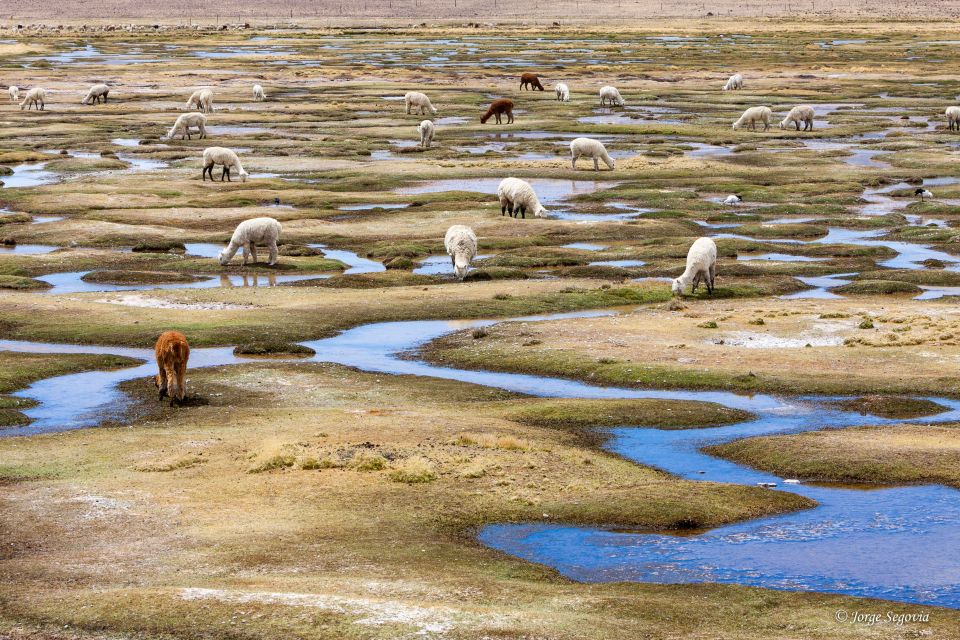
{"x": 487, "y": 10}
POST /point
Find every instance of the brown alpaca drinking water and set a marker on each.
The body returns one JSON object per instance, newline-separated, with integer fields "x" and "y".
{"x": 498, "y": 108}
{"x": 528, "y": 80}
{"x": 172, "y": 352}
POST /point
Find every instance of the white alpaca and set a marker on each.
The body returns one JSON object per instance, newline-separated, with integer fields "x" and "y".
{"x": 419, "y": 100}
{"x": 425, "y": 129}
{"x": 184, "y": 123}
{"x": 461, "y": 244}
{"x": 752, "y": 116}
{"x": 701, "y": 265}
{"x": 734, "y": 82}
{"x": 96, "y": 93}
{"x": 953, "y": 117}
{"x": 563, "y": 92}
{"x": 517, "y": 196}
{"x": 258, "y": 93}
{"x": 590, "y": 148}
{"x": 732, "y": 200}
{"x": 220, "y": 155}
{"x": 250, "y": 233}
{"x": 14, "y": 92}
{"x": 611, "y": 95}
{"x": 798, "y": 114}
{"x": 34, "y": 98}
{"x": 202, "y": 99}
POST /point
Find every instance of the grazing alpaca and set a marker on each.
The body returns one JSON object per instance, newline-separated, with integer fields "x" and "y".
{"x": 953, "y": 116}
{"x": 228, "y": 158}
{"x": 34, "y": 98}
{"x": 922, "y": 193}
{"x": 258, "y": 93}
{"x": 562, "y": 91}
{"x": 799, "y": 114}
{"x": 14, "y": 92}
{"x": 610, "y": 95}
{"x": 517, "y": 196}
{"x": 498, "y": 108}
{"x": 590, "y": 148}
{"x": 419, "y": 101}
{"x": 247, "y": 235}
{"x": 701, "y": 267}
{"x": 752, "y": 116}
{"x": 733, "y": 199}
{"x": 97, "y": 92}
{"x": 202, "y": 99}
{"x": 734, "y": 82}
{"x": 530, "y": 81}
{"x": 172, "y": 352}
{"x": 461, "y": 244}
{"x": 425, "y": 129}
{"x": 184, "y": 123}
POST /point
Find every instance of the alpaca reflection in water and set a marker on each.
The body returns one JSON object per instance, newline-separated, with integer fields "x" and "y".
{"x": 249, "y": 280}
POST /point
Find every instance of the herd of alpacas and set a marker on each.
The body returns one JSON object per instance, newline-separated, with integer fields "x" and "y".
{"x": 516, "y": 196}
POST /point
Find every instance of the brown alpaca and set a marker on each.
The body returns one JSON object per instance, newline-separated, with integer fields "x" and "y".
{"x": 498, "y": 108}
{"x": 172, "y": 352}
{"x": 528, "y": 80}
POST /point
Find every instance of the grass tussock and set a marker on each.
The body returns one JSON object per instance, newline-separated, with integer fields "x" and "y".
{"x": 415, "y": 470}
{"x": 493, "y": 441}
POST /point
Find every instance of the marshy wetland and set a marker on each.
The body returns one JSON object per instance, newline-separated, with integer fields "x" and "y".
{"x": 554, "y": 447}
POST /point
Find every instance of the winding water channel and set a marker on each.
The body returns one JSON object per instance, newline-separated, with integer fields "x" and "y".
{"x": 873, "y": 543}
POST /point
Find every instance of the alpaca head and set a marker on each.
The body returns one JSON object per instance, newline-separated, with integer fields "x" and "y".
{"x": 243, "y": 175}
{"x": 460, "y": 265}
{"x": 610, "y": 162}
{"x": 736, "y": 125}
{"x": 677, "y": 286}
{"x": 222, "y": 258}
{"x": 540, "y": 212}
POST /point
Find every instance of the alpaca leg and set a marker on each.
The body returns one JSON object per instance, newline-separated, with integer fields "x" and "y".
{"x": 510, "y": 118}
{"x": 503, "y": 209}
{"x": 573, "y": 161}
{"x": 253, "y": 251}
{"x": 523, "y": 211}
{"x": 246, "y": 254}
{"x": 713, "y": 277}
{"x": 596, "y": 164}
{"x": 181, "y": 381}
{"x": 162, "y": 384}
{"x": 273, "y": 253}
{"x": 226, "y": 174}
{"x": 208, "y": 169}
{"x": 173, "y": 387}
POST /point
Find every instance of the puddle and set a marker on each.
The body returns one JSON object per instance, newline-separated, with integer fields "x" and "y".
{"x": 141, "y": 164}
{"x": 370, "y": 206}
{"x": 440, "y": 265}
{"x": 355, "y": 263}
{"x": 71, "y": 282}
{"x": 26, "y": 249}
{"x": 28, "y": 175}
{"x": 626, "y": 264}
{"x": 777, "y": 257}
{"x": 46, "y": 219}
{"x": 228, "y": 130}
{"x": 585, "y": 246}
